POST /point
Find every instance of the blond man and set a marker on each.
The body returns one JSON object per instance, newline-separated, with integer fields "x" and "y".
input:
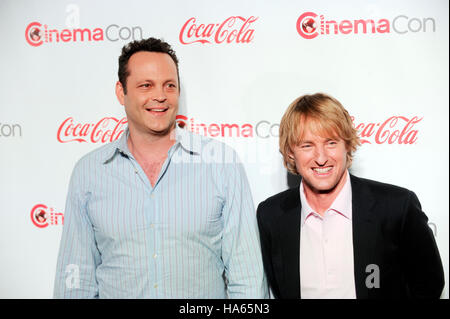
{"x": 338, "y": 235}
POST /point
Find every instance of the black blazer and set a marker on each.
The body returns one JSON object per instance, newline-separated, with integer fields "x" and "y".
{"x": 389, "y": 230}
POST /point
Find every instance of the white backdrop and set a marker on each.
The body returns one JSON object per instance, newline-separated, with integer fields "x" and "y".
{"x": 392, "y": 77}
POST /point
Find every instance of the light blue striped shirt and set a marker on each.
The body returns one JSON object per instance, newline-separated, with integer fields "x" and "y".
{"x": 193, "y": 235}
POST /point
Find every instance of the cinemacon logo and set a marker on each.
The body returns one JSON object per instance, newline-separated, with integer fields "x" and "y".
{"x": 37, "y": 34}
{"x": 43, "y": 216}
{"x": 10, "y": 130}
{"x": 311, "y": 25}
{"x": 393, "y": 130}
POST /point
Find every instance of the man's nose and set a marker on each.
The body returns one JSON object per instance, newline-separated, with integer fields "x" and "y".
{"x": 321, "y": 156}
{"x": 159, "y": 95}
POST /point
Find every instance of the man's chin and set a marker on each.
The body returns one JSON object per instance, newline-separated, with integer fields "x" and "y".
{"x": 325, "y": 190}
{"x": 162, "y": 131}
{"x": 321, "y": 188}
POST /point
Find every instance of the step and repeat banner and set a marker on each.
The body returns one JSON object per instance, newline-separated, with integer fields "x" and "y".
{"x": 241, "y": 64}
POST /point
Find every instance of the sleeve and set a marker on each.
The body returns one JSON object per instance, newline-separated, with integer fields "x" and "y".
{"x": 264, "y": 236}
{"x": 421, "y": 260}
{"x": 78, "y": 255}
{"x": 241, "y": 252}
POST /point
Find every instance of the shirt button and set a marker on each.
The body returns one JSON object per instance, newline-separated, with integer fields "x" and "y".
{"x": 155, "y": 255}
{"x": 152, "y": 196}
{"x": 152, "y": 225}
{"x": 156, "y": 286}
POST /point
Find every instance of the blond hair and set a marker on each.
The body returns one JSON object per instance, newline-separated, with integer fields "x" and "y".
{"x": 324, "y": 116}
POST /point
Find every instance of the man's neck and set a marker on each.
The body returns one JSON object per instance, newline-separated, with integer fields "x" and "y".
{"x": 150, "y": 146}
{"x": 321, "y": 201}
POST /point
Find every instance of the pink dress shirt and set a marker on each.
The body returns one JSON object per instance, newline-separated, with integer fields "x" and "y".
{"x": 326, "y": 249}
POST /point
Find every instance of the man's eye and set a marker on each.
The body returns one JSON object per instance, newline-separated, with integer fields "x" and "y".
{"x": 145, "y": 85}
{"x": 171, "y": 85}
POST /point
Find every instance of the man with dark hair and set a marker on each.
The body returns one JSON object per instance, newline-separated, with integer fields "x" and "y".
{"x": 150, "y": 45}
{"x": 152, "y": 215}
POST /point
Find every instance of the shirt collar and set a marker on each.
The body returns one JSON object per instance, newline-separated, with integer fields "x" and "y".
{"x": 190, "y": 142}
{"x": 342, "y": 203}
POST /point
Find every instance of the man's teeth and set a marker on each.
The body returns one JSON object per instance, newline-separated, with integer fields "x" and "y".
{"x": 157, "y": 110}
{"x": 322, "y": 170}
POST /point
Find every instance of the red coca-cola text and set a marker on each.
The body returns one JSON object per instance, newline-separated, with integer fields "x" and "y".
{"x": 396, "y": 129}
{"x": 233, "y": 29}
{"x": 108, "y": 129}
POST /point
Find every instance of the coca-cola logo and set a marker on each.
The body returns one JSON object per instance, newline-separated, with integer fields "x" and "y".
{"x": 235, "y": 29}
{"x": 394, "y": 130}
{"x": 108, "y": 129}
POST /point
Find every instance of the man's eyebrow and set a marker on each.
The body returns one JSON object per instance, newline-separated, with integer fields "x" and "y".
{"x": 151, "y": 80}
{"x": 326, "y": 139}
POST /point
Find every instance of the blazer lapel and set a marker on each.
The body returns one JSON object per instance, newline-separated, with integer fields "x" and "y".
{"x": 364, "y": 233}
{"x": 289, "y": 230}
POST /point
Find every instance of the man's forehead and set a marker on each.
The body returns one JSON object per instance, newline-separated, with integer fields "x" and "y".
{"x": 323, "y": 136}
{"x": 145, "y": 63}
{"x": 157, "y": 58}
{"x": 149, "y": 54}
{"x": 314, "y": 129}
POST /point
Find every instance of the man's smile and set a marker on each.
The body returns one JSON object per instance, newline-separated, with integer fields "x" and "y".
{"x": 322, "y": 170}
{"x": 157, "y": 110}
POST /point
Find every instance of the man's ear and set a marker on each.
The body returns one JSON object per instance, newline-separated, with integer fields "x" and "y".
{"x": 290, "y": 154}
{"x": 120, "y": 93}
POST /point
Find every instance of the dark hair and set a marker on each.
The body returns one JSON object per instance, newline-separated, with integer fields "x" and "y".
{"x": 150, "y": 45}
